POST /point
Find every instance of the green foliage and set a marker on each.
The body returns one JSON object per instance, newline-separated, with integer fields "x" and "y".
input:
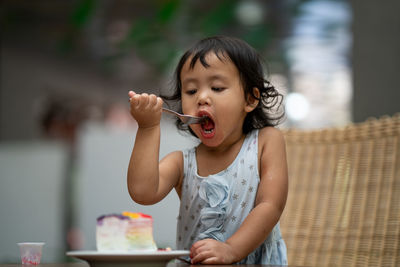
{"x": 158, "y": 38}
{"x": 82, "y": 13}
{"x": 168, "y": 10}
{"x": 158, "y": 30}
{"x": 218, "y": 18}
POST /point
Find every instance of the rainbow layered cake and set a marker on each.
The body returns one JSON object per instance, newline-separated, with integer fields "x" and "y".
{"x": 125, "y": 232}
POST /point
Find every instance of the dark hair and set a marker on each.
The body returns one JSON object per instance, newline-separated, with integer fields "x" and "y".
{"x": 248, "y": 63}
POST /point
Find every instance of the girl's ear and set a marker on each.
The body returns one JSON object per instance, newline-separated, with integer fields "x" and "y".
{"x": 252, "y": 101}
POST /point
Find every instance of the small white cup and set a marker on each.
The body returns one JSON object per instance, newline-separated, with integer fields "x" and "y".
{"x": 31, "y": 252}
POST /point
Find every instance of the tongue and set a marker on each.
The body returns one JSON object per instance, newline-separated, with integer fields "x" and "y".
{"x": 208, "y": 124}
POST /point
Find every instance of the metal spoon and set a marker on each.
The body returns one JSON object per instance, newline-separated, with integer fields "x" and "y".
{"x": 186, "y": 119}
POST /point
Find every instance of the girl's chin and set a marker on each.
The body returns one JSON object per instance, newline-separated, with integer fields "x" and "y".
{"x": 210, "y": 141}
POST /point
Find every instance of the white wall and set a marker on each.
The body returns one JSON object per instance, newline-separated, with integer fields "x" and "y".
{"x": 31, "y": 198}
{"x": 104, "y": 156}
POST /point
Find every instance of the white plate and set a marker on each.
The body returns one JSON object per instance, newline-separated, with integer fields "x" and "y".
{"x": 147, "y": 258}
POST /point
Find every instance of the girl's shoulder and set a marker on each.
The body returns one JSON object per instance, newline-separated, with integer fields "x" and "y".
{"x": 270, "y": 133}
{"x": 270, "y": 137}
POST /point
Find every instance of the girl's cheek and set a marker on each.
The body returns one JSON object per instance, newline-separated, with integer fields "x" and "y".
{"x": 185, "y": 106}
{"x": 196, "y": 129}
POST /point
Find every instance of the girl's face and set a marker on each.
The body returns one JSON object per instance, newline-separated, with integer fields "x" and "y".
{"x": 215, "y": 92}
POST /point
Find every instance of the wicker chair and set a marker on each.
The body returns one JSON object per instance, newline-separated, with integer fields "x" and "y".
{"x": 343, "y": 207}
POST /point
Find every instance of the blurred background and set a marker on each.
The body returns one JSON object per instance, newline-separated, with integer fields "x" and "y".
{"x": 67, "y": 66}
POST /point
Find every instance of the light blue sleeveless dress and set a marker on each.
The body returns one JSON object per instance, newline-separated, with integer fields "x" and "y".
{"x": 215, "y": 206}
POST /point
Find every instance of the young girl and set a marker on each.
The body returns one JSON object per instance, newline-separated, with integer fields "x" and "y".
{"x": 233, "y": 185}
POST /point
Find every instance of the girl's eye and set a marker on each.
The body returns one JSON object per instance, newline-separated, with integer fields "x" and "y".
{"x": 217, "y": 89}
{"x": 191, "y": 91}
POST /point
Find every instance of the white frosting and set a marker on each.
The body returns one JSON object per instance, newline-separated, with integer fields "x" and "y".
{"x": 119, "y": 233}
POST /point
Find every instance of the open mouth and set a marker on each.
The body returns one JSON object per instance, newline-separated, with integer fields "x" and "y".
{"x": 208, "y": 126}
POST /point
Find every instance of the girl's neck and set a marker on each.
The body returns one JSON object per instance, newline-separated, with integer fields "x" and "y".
{"x": 212, "y": 160}
{"x": 225, "y": 146}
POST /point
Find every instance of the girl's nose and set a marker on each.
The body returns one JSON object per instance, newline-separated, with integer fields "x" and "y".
{"x": 203, "y": 98}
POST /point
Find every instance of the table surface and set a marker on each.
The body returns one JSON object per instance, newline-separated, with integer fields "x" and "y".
{"x": 84, "y": 264}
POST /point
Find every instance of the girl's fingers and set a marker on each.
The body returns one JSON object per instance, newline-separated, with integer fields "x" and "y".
{"x": 159, "y": 103}
{"x": 197, "y": 248}
{"x": 140, "y": 101}
{"x": 203, "y": 256}
{"x": 135, "y": 100}
{"x": 145, "y": 101}
{"x": 152, "y": 101}
{"x": 131, "y": 94}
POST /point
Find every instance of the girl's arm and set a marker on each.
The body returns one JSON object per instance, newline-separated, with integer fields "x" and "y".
{"x": 270, "y": 202}
{"x": 148, "y": 180}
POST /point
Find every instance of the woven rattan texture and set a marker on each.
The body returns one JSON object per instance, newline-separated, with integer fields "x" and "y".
{"x": 343, "y": 207}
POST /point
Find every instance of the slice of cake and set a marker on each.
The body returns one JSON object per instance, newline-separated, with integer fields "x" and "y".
{"x": 125, "y": 232}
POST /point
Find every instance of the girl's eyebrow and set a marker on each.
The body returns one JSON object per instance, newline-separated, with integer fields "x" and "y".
{"x": 218, "y": 77}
